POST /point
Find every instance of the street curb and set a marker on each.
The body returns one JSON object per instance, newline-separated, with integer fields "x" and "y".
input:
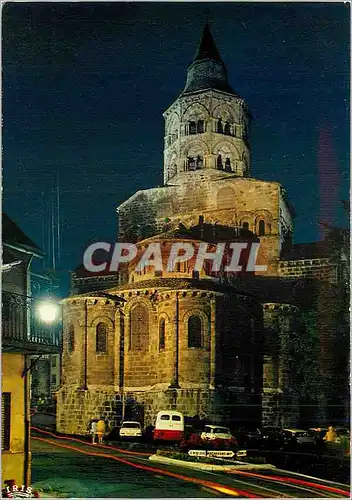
{"x": 201, "y": 466}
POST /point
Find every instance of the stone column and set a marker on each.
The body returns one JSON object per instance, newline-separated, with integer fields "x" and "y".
{"x": 174, "y": 380}
{"x": 117, "y": 348}
{"x": 212, "y": 358}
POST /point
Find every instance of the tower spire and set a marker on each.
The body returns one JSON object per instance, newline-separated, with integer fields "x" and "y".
{"x": 207, "y": 48}
{"x": 207, "y": 71}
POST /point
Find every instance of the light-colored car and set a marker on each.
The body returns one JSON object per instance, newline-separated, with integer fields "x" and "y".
{"x": 216, "y": 432}
{"x": 130, "y": 429}
{"x": 298, "y": 436}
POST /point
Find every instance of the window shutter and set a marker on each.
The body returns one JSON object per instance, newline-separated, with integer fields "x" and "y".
{"x": 5, "y": 420}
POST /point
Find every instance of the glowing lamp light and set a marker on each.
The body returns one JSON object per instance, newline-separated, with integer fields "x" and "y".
{"x": 48, "y": 311}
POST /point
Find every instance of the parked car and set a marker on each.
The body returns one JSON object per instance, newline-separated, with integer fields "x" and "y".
{"x": 130, "y": 429}
{"x": 169, "y": 426}
{"x": 267, "y": 437}
{"x": 216, "y": 432}
{"x": 342, "y": 431}
{"x": 297, "y": 437}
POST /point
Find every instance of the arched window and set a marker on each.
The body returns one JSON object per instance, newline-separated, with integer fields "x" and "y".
{"x": 192, "y": 128}
{"x": 139, "y": 327}
{"x": 228, "y": 165}
{"x": 261, "y": 228}
{"x": 162, "y": 334}
{"x": 227, "y": 129}
{"x": 191, "y": 163}
{"x": 220, "y": 128}
{"x": 195, "y": 332}
{"x": 200, "y": 127}
{"x": 71, "y": 339}
{"x": 245, "y": 225}
{"x": 219, "y": 164}
{"x": 199, "y": 162}
{"x": 101, "y": 338}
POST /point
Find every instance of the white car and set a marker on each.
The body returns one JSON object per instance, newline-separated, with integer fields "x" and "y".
{"x": 216, "y": 432}
{"x": 130, "y": 429}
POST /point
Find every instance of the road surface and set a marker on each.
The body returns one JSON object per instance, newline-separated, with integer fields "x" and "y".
{"x": 75, "y": 468}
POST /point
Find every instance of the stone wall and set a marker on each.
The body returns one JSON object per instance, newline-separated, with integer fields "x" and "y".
{"x": 321, "y": 269}
{"x": 77, "y": 407}
{"x": 229, "y": 201}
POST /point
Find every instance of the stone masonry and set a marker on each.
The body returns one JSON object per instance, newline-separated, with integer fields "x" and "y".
{"x": 202, "y": 343}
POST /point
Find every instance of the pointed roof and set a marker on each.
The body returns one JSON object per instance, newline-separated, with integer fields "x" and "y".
{"x": 207, "y": 70}
{"x": 207, "y": 48}
{"x": 13, "y": 236}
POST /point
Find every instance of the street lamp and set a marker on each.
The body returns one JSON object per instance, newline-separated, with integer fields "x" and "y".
{"x": 48, "y": 311}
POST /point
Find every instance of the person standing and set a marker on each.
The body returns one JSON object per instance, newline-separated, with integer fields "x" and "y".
{"x": 93, "y": 430}
{"x": 331, "y": 435}
{"x": 101, "y": 426}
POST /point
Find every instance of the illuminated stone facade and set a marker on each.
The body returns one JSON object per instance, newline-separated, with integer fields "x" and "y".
{"x": 196, "y": 342}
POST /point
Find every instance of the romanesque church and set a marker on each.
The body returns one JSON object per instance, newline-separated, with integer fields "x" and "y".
{"x": 223, "y": 348}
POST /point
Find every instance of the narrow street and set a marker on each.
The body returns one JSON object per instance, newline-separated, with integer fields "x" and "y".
{"x": 68, "y": 467}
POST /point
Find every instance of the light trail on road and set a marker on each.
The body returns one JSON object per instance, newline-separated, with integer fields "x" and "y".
{"x": 284, "y": 479}
{"x": 121, "y": 450}
{"x": 294, "y": 481}
{"x": 273, "y": 493}
{"x": 209, "y": 484}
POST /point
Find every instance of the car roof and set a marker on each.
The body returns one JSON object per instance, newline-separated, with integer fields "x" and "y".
{"x": 295, "y": 430}
{"x": 169, "y": 412}
{"x": 212, "y": 426}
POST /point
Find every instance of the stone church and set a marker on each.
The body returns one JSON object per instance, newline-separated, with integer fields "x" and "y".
{"x": 204, "y": 343}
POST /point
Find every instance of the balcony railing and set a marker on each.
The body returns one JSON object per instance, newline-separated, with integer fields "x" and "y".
{"x": 21, "y": 328}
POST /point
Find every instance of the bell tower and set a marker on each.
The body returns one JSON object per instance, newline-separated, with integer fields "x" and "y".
{"x": 206, "y": 128}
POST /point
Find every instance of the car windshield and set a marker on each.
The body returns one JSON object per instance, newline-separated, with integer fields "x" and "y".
{"x": 221, "y": 430}
{"x": 131, "y": 425}
{"x": 342, "y": 430}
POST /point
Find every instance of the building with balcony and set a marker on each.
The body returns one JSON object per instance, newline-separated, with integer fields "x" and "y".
{"x": 24, "y": 340}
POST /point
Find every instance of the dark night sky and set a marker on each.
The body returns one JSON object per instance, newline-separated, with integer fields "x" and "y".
{"x": 85, "y": 85}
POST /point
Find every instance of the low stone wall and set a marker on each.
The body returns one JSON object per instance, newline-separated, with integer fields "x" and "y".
{"x": 75, "y": 407}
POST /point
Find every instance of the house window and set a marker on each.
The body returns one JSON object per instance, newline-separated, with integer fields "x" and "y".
{"x": 200, "y": 127}
{"x": 261, "y": 228}
{"x": 139, "y": 327}
{"x": 71, "y": 338}
{"x": 245, "y": 226}
{"x": 5, "y": 420}
{"x": 194, "y": 331}
{"x": 162, "y": 334}
{"x": 227, "y": 129}
{"x": 192, "y": 128}
{"x": 53, "y": 379}
{"x": 101, "y": 338}
{"x": 195, "y": 275}
{"x": 53, "y": 361}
